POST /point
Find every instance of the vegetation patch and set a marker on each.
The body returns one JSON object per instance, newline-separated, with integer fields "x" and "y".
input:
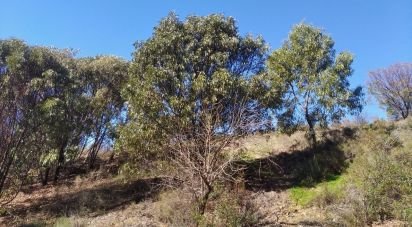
{"x": 320, "y": 193}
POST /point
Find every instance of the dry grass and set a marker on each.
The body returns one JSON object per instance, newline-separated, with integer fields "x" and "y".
{"x": 263, "y": 145}
{"x": 275, "y": 162}
{"x": 78, "y": 197}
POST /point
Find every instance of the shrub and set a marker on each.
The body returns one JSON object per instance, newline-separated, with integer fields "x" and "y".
{"x": 380, "y": 179}
{"x": 175, "y": 208}
{"x": 235, "y": 210}
{"x": 350, "y": 211}
{"x": 386, "y": 181}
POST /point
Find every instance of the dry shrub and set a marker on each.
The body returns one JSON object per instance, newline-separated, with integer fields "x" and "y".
{"x": 226, "y": 208}
{"x": 325, "y": 198}
{"x": 176, "y": 208}
{"x": 351, "y": 211}
{"x": 233, "y": 209}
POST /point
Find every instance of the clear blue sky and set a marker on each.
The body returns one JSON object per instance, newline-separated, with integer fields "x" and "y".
{"x": 378, "y": 33}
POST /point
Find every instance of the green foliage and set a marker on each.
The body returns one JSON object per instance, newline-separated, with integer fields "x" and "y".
{"x": 185, "y": 90}
{"x": 376, "y": 186}
{"x": 80, "y": 105}
{"x": 3, "y": 211}
{"x": 101, "y": 79}
{"x": 179, "y": 73}
{"x": 51, "y": 105}
{"x": 313, "y": 81}
{"x": 47, "y": 159}
{"x": 385, "y": 180}
{"x": 67, "y": 222}
{"x": 21, "y": 102}
{"x": 379, "y": 180}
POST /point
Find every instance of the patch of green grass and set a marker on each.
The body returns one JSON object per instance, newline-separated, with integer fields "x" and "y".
{"x": 305, "y": 196}
{"x": 246, "y": 156}
{"x": 302, "y": 195}
{"x": 3, "y": 211}
{"x": 63, "y": 222}
{"x": 40, "y": 224}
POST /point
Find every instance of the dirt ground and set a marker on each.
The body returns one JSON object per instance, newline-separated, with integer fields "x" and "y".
{"x": 102, "y": 198}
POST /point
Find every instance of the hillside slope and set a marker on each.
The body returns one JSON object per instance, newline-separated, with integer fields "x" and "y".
{"x": 287, "y": 183}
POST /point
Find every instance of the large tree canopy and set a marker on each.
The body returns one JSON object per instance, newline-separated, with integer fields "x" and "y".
{"x": 314, "y": 82}
{"x": 189, "y": 95}
{"x": 22, "y": 138}
{"x": 392, "y": 87}
{"x": 180, "y": 71}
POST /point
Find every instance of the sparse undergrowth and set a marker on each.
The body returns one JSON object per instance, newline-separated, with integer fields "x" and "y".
{"x": 357, "y": 181}
{"x": 376, "y": 186}
{"x": 226, "y": 208}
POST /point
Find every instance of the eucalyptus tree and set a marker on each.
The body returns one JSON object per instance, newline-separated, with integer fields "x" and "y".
{"x": 21, "y": 121}
{"x": 313, "y": 80}
{"x": 51, "y": 105}
{"x": 62, "y": 110}
{"x": 101, "y": 79}
{"x": 176, "y": 78}
{"x": 14, "y": 127}
{"x": 392, "y": 87}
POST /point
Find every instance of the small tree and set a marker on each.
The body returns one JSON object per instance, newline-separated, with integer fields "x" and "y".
{"x": 15, "y": 126}
{"x": 63, "y": 111}
{"x": 207, "y": 157}
{"x": 314, "y": 83}
{"x": 101, "y": 79}
{"x": 392, "y": 87}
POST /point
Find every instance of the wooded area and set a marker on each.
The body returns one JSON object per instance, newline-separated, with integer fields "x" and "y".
{"x": 179, "y": 108}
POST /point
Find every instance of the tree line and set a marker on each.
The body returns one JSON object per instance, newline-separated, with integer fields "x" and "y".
{"x": 191, "y": 89}
{"x": 53, "y": 106}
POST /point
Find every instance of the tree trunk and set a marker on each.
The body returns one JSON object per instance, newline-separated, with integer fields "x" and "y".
{"x": 111, "y": 156}
{"x": 60, "y": 161}
{"x": 203, "y": 202}
{"x": 45, "y": 177}
{"x": 3, "y": 175}
{"x": 311, "y": 135}
{"x": 205, "y": 198}
{"x": 94, "y": 150}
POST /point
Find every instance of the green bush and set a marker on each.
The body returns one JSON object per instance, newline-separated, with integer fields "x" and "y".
{"x": 385, "y": 177}
{"x": 379, "y": 185}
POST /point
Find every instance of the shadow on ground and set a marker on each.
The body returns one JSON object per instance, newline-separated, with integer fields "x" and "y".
{"x": 91, "y": 202}
{"x": 273, "y": 173}
{"x": 300, "y": 167}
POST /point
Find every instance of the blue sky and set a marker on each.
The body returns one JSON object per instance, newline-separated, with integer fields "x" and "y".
{"x": 377, "y": 32}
